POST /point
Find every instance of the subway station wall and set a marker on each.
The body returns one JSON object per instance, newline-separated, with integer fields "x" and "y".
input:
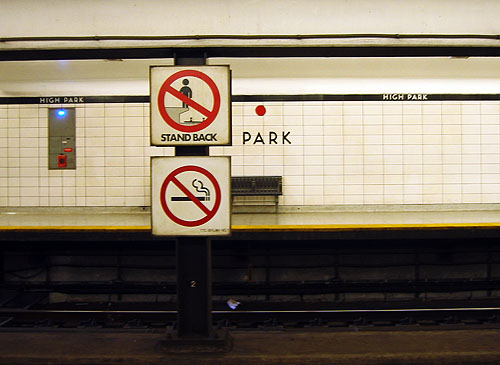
{"x": 373, "y": 150}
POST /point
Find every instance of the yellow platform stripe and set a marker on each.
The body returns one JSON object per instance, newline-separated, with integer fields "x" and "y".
{"x": 75, "y": 228}
{"x": 351, "y": 227}
{"x": 272, "y": 228}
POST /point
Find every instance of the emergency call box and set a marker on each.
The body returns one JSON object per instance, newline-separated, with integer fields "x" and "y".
{"x": 62, "y": 132}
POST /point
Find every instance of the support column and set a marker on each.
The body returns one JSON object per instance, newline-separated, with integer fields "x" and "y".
{"x": 194, "y": 269}
{"x": 194, "y": 287}
{"x": 194, "y": 256}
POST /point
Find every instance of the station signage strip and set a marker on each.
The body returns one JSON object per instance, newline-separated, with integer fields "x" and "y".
{"x": 69, "y": 99}
{"x": 72, "y": 99}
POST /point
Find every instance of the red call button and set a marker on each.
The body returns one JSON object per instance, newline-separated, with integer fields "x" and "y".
{"x": 68, "y": 150}
{"x": 62, "y": 161}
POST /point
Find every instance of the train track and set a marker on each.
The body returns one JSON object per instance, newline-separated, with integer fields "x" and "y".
{"x": 333, "y": 319}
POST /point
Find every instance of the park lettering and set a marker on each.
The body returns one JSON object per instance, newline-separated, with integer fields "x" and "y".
{"x": 271, "y": 138}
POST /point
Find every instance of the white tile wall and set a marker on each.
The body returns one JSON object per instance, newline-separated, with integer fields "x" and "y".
{"x": 112, "y": 157}
{"x": 351, "y": 152}
{"x": 367, "y": 152}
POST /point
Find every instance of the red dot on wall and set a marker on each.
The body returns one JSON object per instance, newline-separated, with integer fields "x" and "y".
{"x": 260, "y": 110}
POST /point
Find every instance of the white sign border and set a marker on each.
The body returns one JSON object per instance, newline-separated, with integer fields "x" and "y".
{"x": 188, "y": 232}
{"x": 153, "y": 103}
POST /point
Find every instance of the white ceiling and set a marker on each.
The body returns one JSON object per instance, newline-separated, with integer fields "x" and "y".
{"x": 260, "y": 68}
{"x": 259, "y": 76}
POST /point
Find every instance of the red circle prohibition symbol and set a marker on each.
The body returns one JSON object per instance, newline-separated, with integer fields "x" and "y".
{"x": 166, "y": 87}
{"x": 209, "y": 213}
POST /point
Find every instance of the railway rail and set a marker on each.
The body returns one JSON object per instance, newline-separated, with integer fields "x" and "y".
{"x": 17, "y": 319}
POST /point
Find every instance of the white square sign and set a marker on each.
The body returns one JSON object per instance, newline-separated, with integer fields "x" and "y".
{"x": 190, "y": 105}
{"x": 191, "y": 196}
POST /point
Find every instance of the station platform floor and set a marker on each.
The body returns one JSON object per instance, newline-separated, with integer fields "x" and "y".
{"x": 257, "y": 347}
{"x": 298, "y": 219}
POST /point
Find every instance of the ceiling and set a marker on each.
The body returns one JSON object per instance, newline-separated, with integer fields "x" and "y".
{"x": 132, "y": 76}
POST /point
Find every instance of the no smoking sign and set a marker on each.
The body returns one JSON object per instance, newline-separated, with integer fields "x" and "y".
{"x": 190, "y": 196}
{"x": 190, "y": 105}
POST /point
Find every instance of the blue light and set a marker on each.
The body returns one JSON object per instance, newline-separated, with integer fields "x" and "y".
{"x": 61, "y": 113}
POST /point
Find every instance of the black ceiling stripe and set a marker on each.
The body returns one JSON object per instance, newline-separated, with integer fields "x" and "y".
{"x": 243, "y": 52}
{"x": 48, "y": 100}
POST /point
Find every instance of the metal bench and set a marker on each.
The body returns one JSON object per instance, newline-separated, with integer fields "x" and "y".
{"x": 257, "y": 186}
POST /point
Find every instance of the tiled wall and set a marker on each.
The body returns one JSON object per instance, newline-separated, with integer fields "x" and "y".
{"x": 367, "y": 152}
{"x": 112, "y": 149}
{"x": 329, "y": 153}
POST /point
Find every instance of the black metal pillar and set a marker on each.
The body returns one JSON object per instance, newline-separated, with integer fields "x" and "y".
{"x": 194, "y": 287}
{"x": 194, "y": 269}
{"x": 194, "y": 257}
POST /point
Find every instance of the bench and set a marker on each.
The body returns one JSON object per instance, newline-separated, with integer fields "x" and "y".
{"x": 257, "y": 186}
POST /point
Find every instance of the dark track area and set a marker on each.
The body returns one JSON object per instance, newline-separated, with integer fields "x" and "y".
{"x": 326, "y": 283}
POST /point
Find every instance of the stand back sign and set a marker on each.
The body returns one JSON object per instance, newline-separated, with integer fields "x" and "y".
{"x": 190, "y": 196}
{"x": 190, "y": 105}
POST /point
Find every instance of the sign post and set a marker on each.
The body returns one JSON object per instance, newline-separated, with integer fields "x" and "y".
{"x": 191, "y": 193}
